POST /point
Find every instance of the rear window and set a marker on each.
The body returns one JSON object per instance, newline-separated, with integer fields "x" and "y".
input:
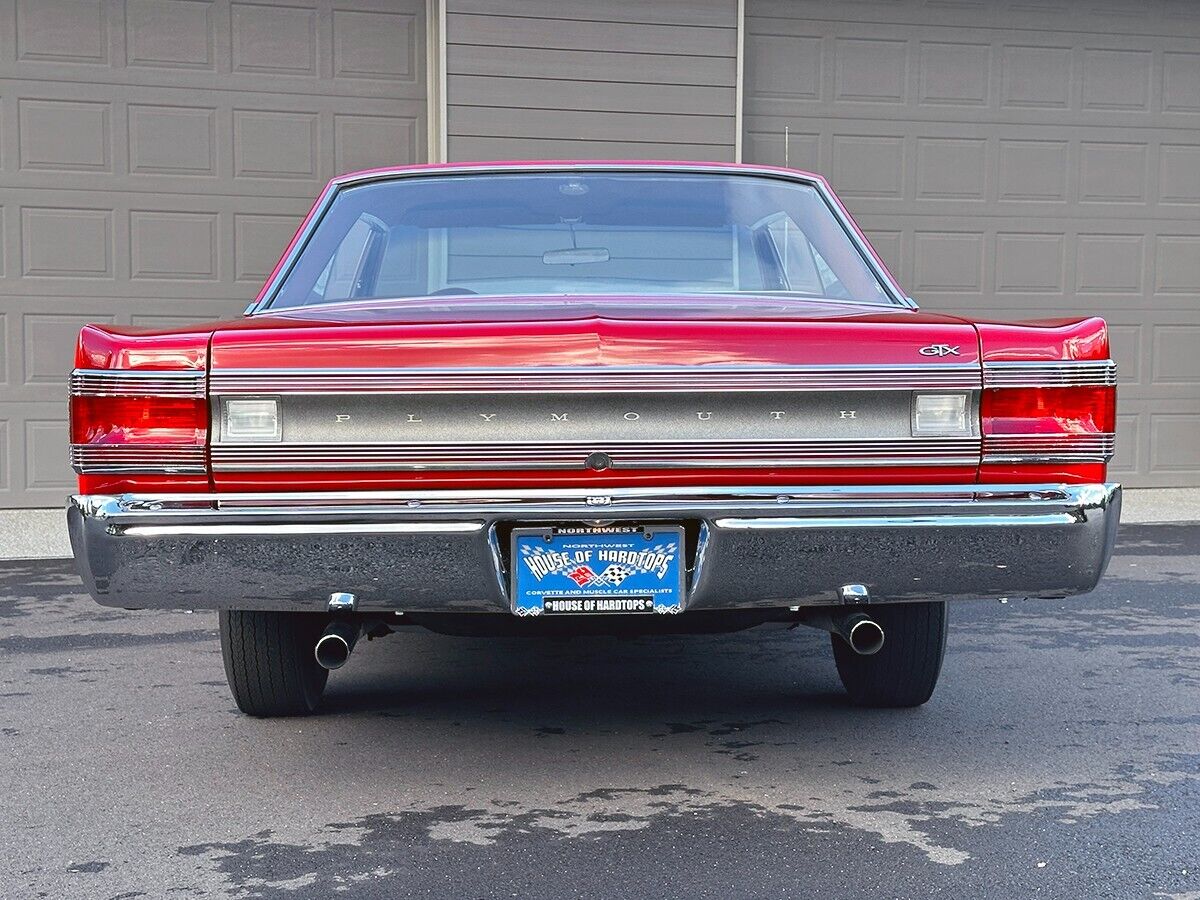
{"x": 593, "y": 233}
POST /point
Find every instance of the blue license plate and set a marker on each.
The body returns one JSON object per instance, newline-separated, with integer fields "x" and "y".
{"x": 597, "y": 570}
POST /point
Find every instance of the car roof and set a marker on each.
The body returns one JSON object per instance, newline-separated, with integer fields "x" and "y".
{"x": 591, "y": 165}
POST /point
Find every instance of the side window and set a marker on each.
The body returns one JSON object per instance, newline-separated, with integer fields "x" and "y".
{"x": 345, "y": 276}
{"x": 833, "y": 285}
{"x": 402, "y": 270}
{"x": 797, "y": 259}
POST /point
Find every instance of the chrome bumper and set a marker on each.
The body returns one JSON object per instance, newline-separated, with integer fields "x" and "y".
{"x": 445, "y": 551}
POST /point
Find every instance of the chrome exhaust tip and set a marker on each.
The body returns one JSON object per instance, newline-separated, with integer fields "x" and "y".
{"x": 862, "y": 633}
{"x": 335, "y": 645}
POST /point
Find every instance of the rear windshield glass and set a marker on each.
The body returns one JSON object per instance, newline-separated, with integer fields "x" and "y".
{"x": 623, "y": 233}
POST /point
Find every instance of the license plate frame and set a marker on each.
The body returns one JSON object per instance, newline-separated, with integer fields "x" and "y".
{"x": 562, "y": 570}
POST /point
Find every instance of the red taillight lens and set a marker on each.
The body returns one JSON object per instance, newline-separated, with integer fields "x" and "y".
{"x": 1049, "y": 410}
{"x": 138, "y": 420}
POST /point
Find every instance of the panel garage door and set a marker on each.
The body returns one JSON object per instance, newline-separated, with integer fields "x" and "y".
{"x": 591, "y": 79}
{"x": 155, "y": 158}
{"x": 1014, "y": 159}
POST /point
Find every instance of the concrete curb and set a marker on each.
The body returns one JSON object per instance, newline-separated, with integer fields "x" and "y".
{"x": 33, "y": 534}
{"x": 1148, "y": 506}
{"x": 42, "y": 533}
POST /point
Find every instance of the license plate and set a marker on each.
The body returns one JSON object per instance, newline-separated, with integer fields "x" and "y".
{"x": 597, "y": 570}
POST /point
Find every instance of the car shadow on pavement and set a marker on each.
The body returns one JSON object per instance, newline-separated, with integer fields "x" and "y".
{"x": 587, "y": 680}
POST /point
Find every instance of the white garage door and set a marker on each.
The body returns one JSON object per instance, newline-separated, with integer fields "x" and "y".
{"x": 1014, "y": 160}
{"x": 156, "y": 156}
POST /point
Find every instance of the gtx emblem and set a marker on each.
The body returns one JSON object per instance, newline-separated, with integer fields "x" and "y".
{"x": 939, "y": 350}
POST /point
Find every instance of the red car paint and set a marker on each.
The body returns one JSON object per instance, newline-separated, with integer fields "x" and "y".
{"x": 582, "y": 331}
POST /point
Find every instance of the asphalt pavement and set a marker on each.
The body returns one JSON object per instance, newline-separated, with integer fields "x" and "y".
{"x": 1059, "y": 757}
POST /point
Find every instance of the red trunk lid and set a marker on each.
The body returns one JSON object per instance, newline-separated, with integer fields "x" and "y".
{"x": 591, "y": 332}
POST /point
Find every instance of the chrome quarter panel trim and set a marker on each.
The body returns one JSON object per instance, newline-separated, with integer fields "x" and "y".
{"x": 139, "y": 459}
{"x": 137, "y": 383}
{"x": 1049, "y": 448}
{"x": 903, "y": 542}
{"x": 1063, "y": 373}
{"x": 598, "y": 379}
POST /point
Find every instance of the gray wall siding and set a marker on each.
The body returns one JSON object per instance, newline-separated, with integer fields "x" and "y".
{"x": 155, "y": 158}
{"x": 1014, "y": 172}
{"x": 540, "y": 79}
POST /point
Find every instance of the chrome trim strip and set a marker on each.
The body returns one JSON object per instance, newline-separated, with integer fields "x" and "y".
{"x": 574, "y": 454}
{"x": 1062, "y": 373}
{"x": 590, "y": 502}
{"x": 1100, "y": 439}
{"x": 1049, "y": 448}
{"x": 137, "y": 383}
{"x": 599, "y": 379}
{"x": 201, "y": 530}
{"x": 792, "y": 524}
{"x": 1045, "y": 458}
{"x": 329, "y": 194}
{"x": 139, "y": 459}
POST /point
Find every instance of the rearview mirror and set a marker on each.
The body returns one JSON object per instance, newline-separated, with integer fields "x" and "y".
{"x": 574, "y": 255}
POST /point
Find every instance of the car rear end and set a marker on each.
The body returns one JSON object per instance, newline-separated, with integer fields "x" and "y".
{"x": 224, "y": 481}
{"x": 667, "y": 460}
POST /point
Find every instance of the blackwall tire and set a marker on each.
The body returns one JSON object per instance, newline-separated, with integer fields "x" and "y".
{"x": 269, "y": 661}
{"x": 905, "y": 671}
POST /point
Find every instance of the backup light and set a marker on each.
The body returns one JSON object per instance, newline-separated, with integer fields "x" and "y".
{"x": 251, "y": 420}
{"x": 939, "y": 414}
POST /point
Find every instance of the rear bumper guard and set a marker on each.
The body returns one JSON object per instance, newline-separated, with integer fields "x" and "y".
{"x": 754, "y": 548}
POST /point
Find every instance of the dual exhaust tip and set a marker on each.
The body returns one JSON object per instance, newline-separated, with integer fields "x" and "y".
{"x": 859, "y": 631}
{"x": 336, "y": 643}
{"x": 334, "y": 647}
{"x": 862, "y": 633}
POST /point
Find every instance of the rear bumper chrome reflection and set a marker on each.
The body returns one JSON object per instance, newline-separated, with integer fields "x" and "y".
{"x": 444, "y": 551}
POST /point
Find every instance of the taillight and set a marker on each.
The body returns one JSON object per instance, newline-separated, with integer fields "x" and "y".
{"x": 1049, "y": 410}
{"x": 138, "y": 422}
{"x": 1049, "y": 425}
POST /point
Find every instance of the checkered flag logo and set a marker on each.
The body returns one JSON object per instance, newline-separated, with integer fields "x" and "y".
{"x": 615, "y": 574}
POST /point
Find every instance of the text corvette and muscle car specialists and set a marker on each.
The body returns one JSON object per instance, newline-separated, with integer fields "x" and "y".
{"x": 541, "y": 398}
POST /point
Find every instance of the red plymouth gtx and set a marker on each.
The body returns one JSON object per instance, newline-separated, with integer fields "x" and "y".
{"x": 587, "y": 397}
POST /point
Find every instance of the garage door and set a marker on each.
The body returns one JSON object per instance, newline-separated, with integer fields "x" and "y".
{"x": 591, "y": 79}
{"x": 156, "y": 156}
{"x": 1015, "y": 160}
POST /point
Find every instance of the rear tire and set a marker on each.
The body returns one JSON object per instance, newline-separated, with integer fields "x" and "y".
{"x": 269, "y": 661}
{"x": 905, "y": 671}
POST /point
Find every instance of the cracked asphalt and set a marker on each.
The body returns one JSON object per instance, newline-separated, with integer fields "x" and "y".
{"x": 1059, "y": 757}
